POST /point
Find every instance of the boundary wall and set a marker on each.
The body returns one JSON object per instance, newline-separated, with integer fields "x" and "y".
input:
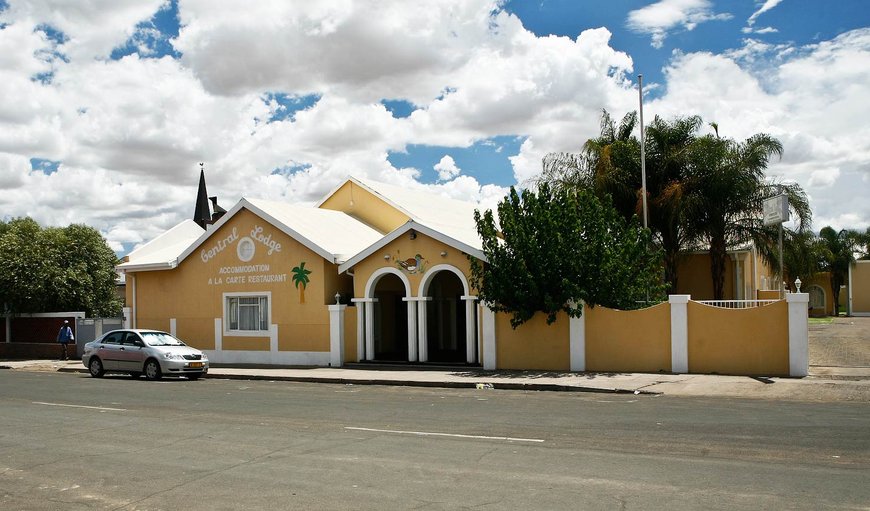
{"x": 679, "y": 336}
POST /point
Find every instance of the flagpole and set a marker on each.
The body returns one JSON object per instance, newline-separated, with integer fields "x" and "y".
{"x": 642, "y": 150}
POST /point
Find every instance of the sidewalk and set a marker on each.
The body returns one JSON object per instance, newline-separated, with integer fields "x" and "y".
{"x": 823, "y": 384}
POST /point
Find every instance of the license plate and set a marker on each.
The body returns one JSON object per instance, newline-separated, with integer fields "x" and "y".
{"x": 195, "y": 364}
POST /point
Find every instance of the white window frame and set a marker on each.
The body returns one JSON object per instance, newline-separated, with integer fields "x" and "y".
{"x": 247, "y": 333}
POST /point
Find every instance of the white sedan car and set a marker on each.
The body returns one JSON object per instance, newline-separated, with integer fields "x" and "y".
{"x": 149, "y": 352}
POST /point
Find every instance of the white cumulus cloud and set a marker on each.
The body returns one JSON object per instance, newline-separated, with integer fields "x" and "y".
{"x": 446, "y": 168}
{"x": 666, "y": 15}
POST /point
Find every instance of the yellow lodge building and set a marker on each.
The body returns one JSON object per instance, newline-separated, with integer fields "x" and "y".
{"x": 259, "y": 286}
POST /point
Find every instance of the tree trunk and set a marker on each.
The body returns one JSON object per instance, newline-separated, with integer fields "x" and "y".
{"x": 835, "y": 291}
{"x": 671, "y": 247}
{"x": 718, "y": 255}
{"x": 671, "y": 259}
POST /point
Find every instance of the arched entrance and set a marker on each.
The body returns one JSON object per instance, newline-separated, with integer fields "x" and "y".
{"x": 817, "y": 300}
{"x": 390, "y": 332}
{"x": 445, "y": 319}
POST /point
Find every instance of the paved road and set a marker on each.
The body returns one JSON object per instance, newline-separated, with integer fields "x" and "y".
{"x": 221, "y": 444}
{"x": 843, "y": 343}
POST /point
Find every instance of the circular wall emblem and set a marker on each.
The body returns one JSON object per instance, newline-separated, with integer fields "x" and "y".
{"x": 245, "y": 249}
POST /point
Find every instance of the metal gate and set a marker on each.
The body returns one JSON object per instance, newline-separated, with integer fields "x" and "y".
{"x": 88, "y": 329}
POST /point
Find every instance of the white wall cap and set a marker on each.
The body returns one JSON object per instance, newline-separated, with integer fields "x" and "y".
{"x": 797, "y": 297}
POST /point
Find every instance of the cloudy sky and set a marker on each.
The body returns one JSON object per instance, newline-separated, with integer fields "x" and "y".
{"x": 108, "y": 106}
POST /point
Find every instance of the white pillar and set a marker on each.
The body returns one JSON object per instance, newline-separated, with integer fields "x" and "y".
{"x": 173, "y": 327}
{"x": 422, "y": 333}
{"x": 848, "y": 297}
{"x": 336, "y": 335}
{"x": 488, "y": 320}
{"x": 370, "y": 328}
{"x": 273, "y": 338}
{"x": 218, "y": 335}
{"x": 798, "y": 334}
{"x": 679, "y": 333}
{"x": 133, "y": 309}
{"x": 412, "y": 328}
{"x": 360, "y": 332}
{"x": 128, "y": 318}
{"x": 577, "y": 336}
{"x": 470, "y": 330}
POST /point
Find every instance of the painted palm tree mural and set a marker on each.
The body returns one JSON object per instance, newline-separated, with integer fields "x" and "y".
{"x": 300, "y": 276}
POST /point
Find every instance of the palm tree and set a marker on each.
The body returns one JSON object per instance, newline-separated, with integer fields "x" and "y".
{"x": 728, "y": 187}
{"x": 802, "y": 256}
{"x": 610, "y": 166}
{"x": 300, "y": 276}
{"x": 838, "y": 252}
{"x": 668, "y": 146}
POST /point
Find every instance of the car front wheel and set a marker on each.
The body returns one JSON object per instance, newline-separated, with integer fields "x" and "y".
{"x": 95, "y": 367}
{"x": 152, "y": 370}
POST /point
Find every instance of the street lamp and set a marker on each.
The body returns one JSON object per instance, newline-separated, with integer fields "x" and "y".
{"x": 797, "y": 284}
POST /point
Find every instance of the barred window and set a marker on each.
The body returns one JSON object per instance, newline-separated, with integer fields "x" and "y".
{"x": 248, "y": 313}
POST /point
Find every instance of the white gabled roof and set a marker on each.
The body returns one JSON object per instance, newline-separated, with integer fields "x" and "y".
{"x": 422, "y": 229}
{"x": 451, "y": 217}
{"x": 163, "y": 251}
{"x": 333, "y": 234}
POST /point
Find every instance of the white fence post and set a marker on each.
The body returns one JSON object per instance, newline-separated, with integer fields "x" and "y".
{"x": 336, "y": 335}
{"x": 679, "y": 333}
{"x": 128, "y": 320}
{"x": 488, "y": 325}
{"x": 798, "y": 334}
{"x": 577, "y": 336}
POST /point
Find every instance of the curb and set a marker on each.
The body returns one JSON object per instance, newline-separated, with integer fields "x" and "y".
{"x": 541, "y": 387}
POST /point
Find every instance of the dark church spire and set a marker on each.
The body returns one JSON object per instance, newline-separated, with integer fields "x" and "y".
{"x": 202, "y": 215}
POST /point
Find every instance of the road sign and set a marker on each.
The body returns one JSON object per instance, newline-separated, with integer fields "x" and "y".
{"x": 776, "y": 210}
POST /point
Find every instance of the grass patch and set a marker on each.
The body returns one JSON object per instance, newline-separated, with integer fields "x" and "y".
{"x": 821, "y": 321}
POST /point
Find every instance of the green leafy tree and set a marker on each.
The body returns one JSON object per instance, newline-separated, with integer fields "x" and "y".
{"x": 838, "y": 252}
{"x": 863, "y": 248}
{"x": 56, "y": 269}
{"x": 554, "y": 249}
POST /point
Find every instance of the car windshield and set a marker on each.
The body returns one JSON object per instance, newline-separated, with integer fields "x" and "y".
{"x": 160, "y": 339}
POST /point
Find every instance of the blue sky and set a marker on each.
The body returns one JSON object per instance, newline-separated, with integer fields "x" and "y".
{"x": 116, "y": 103}
{"x": 795, "y": 22}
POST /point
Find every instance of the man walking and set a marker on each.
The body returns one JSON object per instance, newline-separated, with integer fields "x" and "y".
{"x": 64, "y": 337}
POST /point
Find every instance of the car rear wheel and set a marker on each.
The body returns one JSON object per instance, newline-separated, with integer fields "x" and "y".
{"x": 152, "y": 370}
{"x": 95, "y": 367}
